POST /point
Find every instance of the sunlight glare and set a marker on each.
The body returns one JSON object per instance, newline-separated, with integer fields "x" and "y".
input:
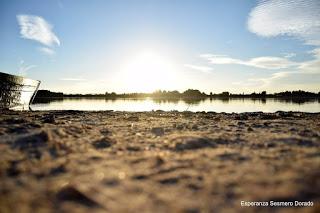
{"x": 148, "y": 71}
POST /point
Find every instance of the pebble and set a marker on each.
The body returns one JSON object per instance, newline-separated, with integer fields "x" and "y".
{"x": 158, "y": 131}
{"x": 49, "y": 119}
{"x": 133, "y": 118}
{"x": 192, "y": 142}
{"x": 103, "y": 143}
{"x": 71, "y": 193}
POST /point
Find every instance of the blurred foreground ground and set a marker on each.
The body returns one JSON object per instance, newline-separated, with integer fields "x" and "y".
{"x": 74, "y": 161}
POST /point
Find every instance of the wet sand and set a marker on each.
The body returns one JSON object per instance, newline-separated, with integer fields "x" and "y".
{"x": 74, "y": 161}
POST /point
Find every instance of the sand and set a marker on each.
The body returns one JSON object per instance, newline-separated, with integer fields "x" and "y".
{"x": 74, "y": 161}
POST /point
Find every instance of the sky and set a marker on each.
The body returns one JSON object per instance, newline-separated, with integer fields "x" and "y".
{"x": 97, "y": 46}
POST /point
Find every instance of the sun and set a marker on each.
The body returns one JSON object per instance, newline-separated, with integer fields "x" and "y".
{"x": 148, "y": 71}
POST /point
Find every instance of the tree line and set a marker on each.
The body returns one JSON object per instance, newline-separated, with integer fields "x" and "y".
{"x": 189, "y": 93}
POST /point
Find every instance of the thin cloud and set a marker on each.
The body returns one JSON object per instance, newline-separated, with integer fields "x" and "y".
{"x": 305, "y": 71}
{"x": 270, "y": 62}
{"x": 47, "y": 50}
{"x": 274, "y": 76}
{"x": 289, "y": 55}
{"x": 265, "y": 62}
{"x": 23, "y": 68}
{"x": 207, "y": 55}
{"x": 204, "y": 69}
{"x": 311, "y": 66}
{"x": 38, "y": 29}
{"x": 299, "y": 18}
{"x": 265, "y": 82}
{"x": 271, "y": 18}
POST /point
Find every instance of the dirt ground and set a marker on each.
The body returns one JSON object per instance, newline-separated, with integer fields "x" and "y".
{"x": 75, "y": 161}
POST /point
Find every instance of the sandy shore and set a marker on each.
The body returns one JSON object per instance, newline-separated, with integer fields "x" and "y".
{"x": 73, "y": 161}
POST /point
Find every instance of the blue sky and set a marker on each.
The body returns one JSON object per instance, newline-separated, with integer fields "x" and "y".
{"x": 142, "y": 45}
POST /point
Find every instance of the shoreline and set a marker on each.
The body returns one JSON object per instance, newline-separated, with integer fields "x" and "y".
{"x": 156, "y": 161}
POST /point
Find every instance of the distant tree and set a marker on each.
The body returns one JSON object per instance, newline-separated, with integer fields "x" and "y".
{"x": 48, "y": 94}
{"x": 225, "y": 94}
{"x": 193, "y": 93}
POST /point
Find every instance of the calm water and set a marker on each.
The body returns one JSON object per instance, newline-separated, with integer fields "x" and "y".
{"x": 216, "y": 105}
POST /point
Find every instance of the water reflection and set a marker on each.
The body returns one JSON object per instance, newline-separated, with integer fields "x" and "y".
{"x": 191, "y": 104}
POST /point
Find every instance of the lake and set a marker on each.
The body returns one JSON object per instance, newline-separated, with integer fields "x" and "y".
{"x": 148, "y": 104}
